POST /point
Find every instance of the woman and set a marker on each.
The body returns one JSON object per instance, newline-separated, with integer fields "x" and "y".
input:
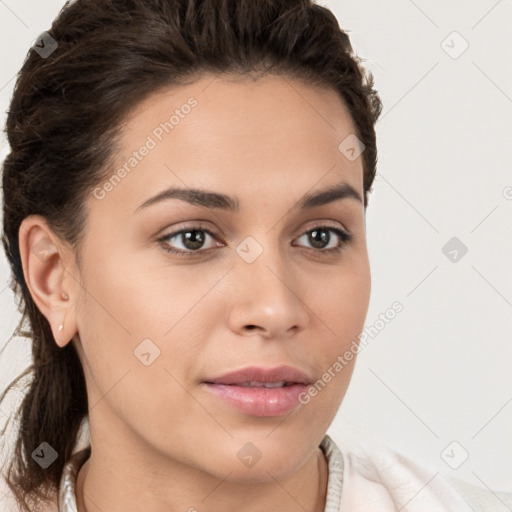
{"x": 184, "y": 214}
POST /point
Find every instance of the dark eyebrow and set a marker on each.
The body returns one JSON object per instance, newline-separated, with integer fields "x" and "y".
{"x": 231, "y": 204}
{"x": 196, "y": 196}
{"x": 328, "y": 195}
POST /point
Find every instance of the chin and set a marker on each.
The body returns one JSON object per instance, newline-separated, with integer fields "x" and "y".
{"x": 260, "y": 461}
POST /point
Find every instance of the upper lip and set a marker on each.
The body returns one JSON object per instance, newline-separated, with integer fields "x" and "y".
{"x": 261, "y": 374}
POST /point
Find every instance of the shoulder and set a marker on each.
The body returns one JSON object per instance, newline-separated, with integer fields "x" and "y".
{"x": 380, "y": 478}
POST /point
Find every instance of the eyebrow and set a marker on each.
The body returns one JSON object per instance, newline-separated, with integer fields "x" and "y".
{"x": 232, "y": 204}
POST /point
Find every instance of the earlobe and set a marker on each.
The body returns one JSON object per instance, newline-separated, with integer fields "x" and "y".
{"x": 44, "y": 261}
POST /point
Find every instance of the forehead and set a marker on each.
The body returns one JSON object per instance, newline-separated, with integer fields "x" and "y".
{"x": 236, "y": 135}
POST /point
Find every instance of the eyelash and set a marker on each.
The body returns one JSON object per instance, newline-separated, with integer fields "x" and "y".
{"x": 345, "y": 238}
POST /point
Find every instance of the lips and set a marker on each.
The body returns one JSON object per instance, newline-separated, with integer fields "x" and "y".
{"x": 253, "y": 376}
{"x": 260, "y": 391}
{"x": 258, "y": 401}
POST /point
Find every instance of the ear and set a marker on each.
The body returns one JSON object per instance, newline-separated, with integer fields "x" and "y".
{"x": 50, "y": 275}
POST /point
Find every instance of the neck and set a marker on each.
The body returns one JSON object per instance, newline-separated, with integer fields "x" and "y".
{"x": 105, "y": 482}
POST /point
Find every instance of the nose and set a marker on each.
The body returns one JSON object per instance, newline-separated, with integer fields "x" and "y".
{"x": 269, "y": 298}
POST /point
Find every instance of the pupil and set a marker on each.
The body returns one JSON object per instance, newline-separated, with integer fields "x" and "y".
{"x": 319, "y": 237}
{"x": 192, "y": 240}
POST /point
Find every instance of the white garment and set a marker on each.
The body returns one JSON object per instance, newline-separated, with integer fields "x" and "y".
{"x": 375, "y": 481}
{"x": 385, "y": 480}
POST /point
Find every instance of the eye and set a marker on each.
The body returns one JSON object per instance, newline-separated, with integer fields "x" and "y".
{"x": 322, "y": 240}
{"x": 193, "y": 238}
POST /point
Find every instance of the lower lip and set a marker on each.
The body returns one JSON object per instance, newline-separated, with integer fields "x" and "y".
{"x": 259, "y": 401}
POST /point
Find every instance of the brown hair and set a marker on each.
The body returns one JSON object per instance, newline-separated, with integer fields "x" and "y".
{"x": 63, "y": 126}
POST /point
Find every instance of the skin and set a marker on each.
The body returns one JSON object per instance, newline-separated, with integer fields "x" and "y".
{"x": 158, "y": 437}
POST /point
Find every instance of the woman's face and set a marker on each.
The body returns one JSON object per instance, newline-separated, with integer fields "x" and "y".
{"x": 260, "y": 284}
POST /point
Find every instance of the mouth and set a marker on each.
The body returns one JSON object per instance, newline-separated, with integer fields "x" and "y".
{"x": 259, "y": 391}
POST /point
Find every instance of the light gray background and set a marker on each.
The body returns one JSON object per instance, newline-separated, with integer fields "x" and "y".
{"x": 440, "y": 371}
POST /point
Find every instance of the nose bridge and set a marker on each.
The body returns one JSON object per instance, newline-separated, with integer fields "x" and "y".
{"x": 266, "y": 294}
{"x": 262, "y": 259}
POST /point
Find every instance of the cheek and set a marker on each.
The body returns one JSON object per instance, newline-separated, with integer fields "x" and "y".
{"x": 341, "y": 309}
{"x": 342, "y": 297}
{"x": 129, "y": 316}
{"x": 138, "y": 300}
{"x": 132, "y": 367}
